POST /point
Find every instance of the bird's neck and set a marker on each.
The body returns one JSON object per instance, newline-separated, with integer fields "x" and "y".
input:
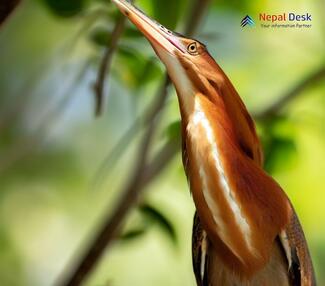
{"x": 213, "y": 194}
{"x": 224, "y": 183}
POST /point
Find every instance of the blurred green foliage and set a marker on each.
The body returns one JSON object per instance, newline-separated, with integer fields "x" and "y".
{"x": 48, "y": 205}
{"x": 168, "y": 12}
{"x": 65, "y": 8}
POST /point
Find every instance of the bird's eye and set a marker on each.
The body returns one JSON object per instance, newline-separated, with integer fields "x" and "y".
{"x": 192, "y": 48}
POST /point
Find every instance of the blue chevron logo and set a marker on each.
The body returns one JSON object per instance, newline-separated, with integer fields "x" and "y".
{"x": 247, "y": 21}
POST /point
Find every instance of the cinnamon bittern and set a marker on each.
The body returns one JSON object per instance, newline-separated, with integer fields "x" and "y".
{"x": 245, "y": 230}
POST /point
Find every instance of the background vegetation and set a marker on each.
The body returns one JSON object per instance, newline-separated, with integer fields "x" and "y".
{"x": 65, "y": 172}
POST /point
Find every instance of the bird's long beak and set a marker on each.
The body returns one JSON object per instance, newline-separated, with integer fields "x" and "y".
{"x": 157, "y": 34}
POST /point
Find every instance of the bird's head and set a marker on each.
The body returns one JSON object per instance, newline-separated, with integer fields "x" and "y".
{"x": 195, "y": 74}
{"x": 187, "y": 60}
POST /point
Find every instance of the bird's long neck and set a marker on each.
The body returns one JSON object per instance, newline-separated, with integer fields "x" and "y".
{"x": 209, "y": 135}
{"x": 224, "y": 181}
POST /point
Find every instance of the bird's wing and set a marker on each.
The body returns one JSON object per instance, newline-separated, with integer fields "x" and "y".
{"x": 200, "y": 245}
{"x": 292, "y": 239}
{"x": 295, "y": 246}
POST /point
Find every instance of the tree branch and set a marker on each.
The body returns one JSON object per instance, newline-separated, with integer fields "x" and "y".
{"x": 6, "y": 8}
{"x": 106, "y": 64}
{"x": 294, "y": 92}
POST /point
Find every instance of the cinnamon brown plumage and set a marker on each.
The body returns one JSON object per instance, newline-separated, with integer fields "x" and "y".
{"x": 245, "y": 231}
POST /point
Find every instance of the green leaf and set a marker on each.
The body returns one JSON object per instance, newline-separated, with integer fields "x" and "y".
{"x": 239, "y": 6}
{"x": 279, "y": 153}
{"x": 101, "y": 37}
{"x": 168, "y": 12}
{"x": 135, "y": 69}
{"x": 132, "y": 235}
{"x": 58, "y": 166}
{"x": 157, "y": 217}
{"x": 279, "y": 144}
{"x": 174, "y": 130}
{"x": 149, "y": 71}
{"x": 65, "y": 8}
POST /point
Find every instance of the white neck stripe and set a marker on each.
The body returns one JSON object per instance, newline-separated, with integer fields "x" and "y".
{"x": 200, "y": 120}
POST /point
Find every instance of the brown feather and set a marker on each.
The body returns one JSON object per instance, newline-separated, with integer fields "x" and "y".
{"x": 301, "y": 271}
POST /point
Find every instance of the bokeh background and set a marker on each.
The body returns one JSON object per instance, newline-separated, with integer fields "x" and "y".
{"x": 62, "y": 169}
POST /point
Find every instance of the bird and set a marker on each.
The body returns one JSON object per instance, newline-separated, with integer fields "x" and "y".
{"x": 245, "y": 231}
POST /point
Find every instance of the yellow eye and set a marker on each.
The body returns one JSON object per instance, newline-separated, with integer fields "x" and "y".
{"x": 192, "y": 48}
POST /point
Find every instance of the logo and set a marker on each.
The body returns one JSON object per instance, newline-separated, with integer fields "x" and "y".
{"x": 280, "y": 20}
{"x": 292, "y": 17}
{"x": 247, "y": 21}
{"x": 285, "y": 20}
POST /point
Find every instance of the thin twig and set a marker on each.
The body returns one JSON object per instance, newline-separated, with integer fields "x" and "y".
{"x": 135, "y": 186}
{"x": 106, "y": 63}
{"x": 294, "y": 92}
